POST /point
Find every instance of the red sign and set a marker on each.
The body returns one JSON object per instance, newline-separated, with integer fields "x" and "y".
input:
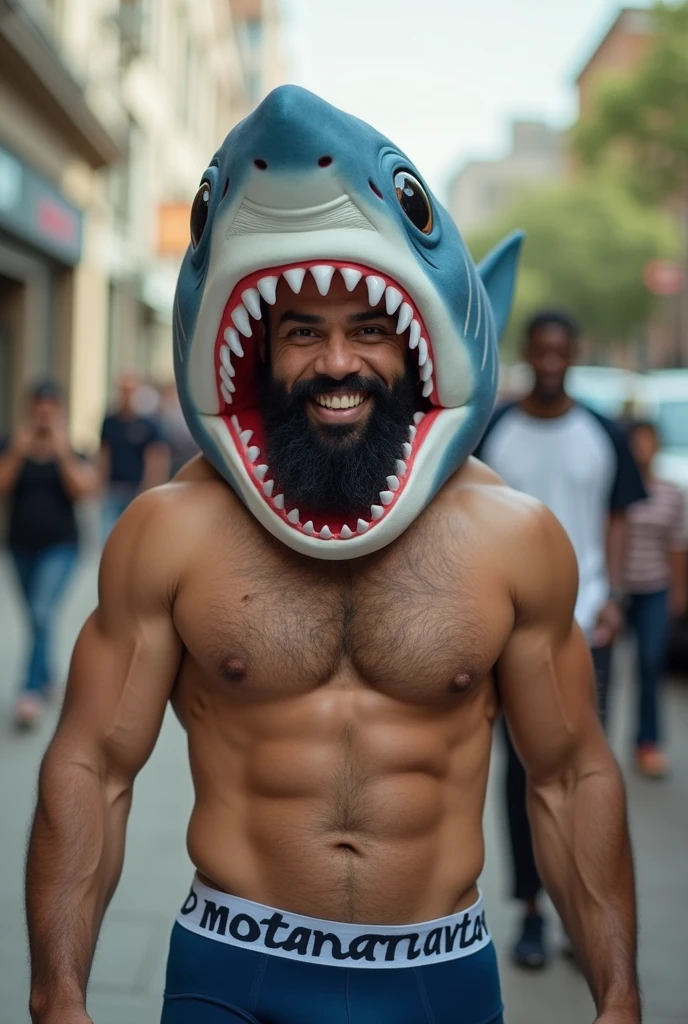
{"x": 662, "y": 277}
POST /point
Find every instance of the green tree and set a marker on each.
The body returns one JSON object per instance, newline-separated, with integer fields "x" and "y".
{"x": 640, "y": 121}
{"x": 639, "y": 127}
{"x": 587, "y": 243}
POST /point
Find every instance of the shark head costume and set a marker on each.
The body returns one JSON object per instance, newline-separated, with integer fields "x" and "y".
{"x": 298, "y": 188}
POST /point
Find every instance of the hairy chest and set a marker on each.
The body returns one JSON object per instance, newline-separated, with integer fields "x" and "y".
{"x": 422, "y": 622}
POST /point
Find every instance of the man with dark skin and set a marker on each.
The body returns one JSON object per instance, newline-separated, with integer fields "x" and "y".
{"x": 339, "y": 731}
{"x": 580, "y": 466}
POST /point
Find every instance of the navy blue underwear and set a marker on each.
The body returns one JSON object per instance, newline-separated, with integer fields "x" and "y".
{"x": 234, "y": 961}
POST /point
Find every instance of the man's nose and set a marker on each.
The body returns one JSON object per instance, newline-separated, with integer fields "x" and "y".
{"x": 338, "y": 357}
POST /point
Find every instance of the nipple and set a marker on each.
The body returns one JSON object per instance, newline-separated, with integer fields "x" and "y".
{"x": 233, "y": 670}
{"x": 461, "y": 682}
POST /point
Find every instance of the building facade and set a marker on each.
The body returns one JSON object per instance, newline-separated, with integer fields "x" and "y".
{"x": 482, "y": 190}
{"x": 134, "y": 99}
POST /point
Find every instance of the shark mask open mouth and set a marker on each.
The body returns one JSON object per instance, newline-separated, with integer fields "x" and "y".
{"x": 300, "y": 188}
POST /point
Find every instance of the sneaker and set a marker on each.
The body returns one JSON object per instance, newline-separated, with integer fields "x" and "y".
{"x": 529, "y": 951}
{"x": 651, "y": 762}
{"x": 28, "y": 711}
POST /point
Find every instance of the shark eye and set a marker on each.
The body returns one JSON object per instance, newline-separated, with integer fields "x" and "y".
{"x": 199, "y": 213}
{"x": 413, "y": 201}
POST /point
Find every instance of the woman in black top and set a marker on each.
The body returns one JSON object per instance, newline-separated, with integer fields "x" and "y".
{"x": 42, "y": 478}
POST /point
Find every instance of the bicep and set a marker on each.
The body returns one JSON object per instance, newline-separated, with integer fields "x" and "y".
{"x": 545, "y": 673}
{"x": 123, "y": 667}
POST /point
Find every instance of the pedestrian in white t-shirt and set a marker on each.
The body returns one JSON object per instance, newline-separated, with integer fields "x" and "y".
{"x": 579, "y": 465}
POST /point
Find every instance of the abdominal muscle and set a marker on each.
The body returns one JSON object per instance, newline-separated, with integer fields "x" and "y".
{"x": 339, "y": 804}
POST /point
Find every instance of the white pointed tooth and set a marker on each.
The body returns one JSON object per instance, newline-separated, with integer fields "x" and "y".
{"x": 232, "y": 339}
{"x": 393, "y": 483}
{"x": 400, "y": 467}
{"x": 245, "y": 437}
{"x": 268, "y": 488}
{"x": 227, "y": 380}
{"x": 418, "y": 417}
{"x": 393, "y": 299}
{"x": 241, "y": 321}
{"x": 386, "y": 497}
{"x": 294, "y": 278}
{"x": 251, "y": 299}
{"x": 362, "y": 526}
{"x": 293, "y": 516}
{"x": 279, "y": 502}
{"x": 326, "y": 533}
{"x": 422, "y": 351}
{"x": 235, "y": 423}
{"x": 412, "y": 433}
{"x": 226, "y": 394}
{"x": 346, "y": 533}
{"x": 351, "y": 277}
{"x": 226, "y": 359}
{"x": 405, "y": 317}
{"x": 260, "y": 472}
{"x": 426, "y": 370}
{"x": 376, "y": 289}
{"x": 323, "y": 278}
{"x": 414, "y": 334}
{"x": 267, "y": 286}
{"x": 252, "y": 453}
{"x": 377, "y": 511}
{"x": 407, "y": 450}
{"x": 427, "y": 388}
{"x": 309, "y": 528}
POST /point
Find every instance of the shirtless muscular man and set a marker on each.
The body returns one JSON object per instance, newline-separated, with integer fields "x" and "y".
{"x": 338, "y": 601}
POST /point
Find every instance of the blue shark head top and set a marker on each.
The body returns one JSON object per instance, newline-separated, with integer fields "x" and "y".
{"x": 301, "y": 187}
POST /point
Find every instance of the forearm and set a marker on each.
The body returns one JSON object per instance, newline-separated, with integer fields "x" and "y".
{"x": 79, "y": 477}
{"x": 74, "y": 862}
{"x": 616, "y": 550}
{"x": 10, "y": 465}
{"x": 583, "y": 851}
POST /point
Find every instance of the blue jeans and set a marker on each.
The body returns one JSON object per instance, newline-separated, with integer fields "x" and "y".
{"x": 648, "y": 618}
{"x": 43, "y": 576}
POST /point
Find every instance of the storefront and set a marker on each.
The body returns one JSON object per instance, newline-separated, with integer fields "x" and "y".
{"x": 40, "y": 243}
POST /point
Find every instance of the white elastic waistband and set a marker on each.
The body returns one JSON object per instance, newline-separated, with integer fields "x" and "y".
{"x": 237, "y": 922}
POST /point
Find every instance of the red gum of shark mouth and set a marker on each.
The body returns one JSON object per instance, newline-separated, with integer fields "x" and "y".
{"x": 237, "y": 377}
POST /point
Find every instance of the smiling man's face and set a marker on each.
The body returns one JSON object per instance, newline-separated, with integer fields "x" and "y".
{"x": 337, "y": 396}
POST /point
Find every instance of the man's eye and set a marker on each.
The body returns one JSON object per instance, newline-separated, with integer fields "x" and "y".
{"x": 302, "y": 332}
{"x": 373, "y": 329}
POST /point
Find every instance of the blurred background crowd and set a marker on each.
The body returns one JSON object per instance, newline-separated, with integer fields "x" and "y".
{"x": 109, "y": 112}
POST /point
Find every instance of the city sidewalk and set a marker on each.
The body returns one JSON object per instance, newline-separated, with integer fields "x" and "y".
{"x": 129, "y": 969}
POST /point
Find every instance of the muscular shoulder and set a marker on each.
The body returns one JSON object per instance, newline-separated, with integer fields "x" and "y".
{"x": 163, "y": 530}
{"x": 529, "y": 542}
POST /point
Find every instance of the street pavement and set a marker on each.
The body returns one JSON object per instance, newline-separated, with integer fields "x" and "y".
{"x": 128, "y": 974}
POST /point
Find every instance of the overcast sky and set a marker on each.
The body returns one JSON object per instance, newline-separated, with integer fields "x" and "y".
{"x": 443, "y": 78}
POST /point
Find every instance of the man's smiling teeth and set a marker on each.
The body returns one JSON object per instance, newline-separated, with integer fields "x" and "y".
{"x": 323, "y": 275}
{"x": 232, "y": 349}
{"x": 339, "y": 401}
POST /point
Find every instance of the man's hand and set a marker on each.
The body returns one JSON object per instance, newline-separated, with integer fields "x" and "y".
{"x": 619, "y": 1017}
{"x": 62, "y": 1016}
{"x": 21, "y": 440}
{"x": 609, "y": 624}
{"x": 677, "y": 602}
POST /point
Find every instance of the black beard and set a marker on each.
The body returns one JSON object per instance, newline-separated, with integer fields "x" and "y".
{"x": 335, "y": 468}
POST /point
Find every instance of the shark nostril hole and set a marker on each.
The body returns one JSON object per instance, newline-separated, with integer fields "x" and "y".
{"x": 261, "y": 165}
{"x": 324, "y": 161}
{"x": 375, "y": 189}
